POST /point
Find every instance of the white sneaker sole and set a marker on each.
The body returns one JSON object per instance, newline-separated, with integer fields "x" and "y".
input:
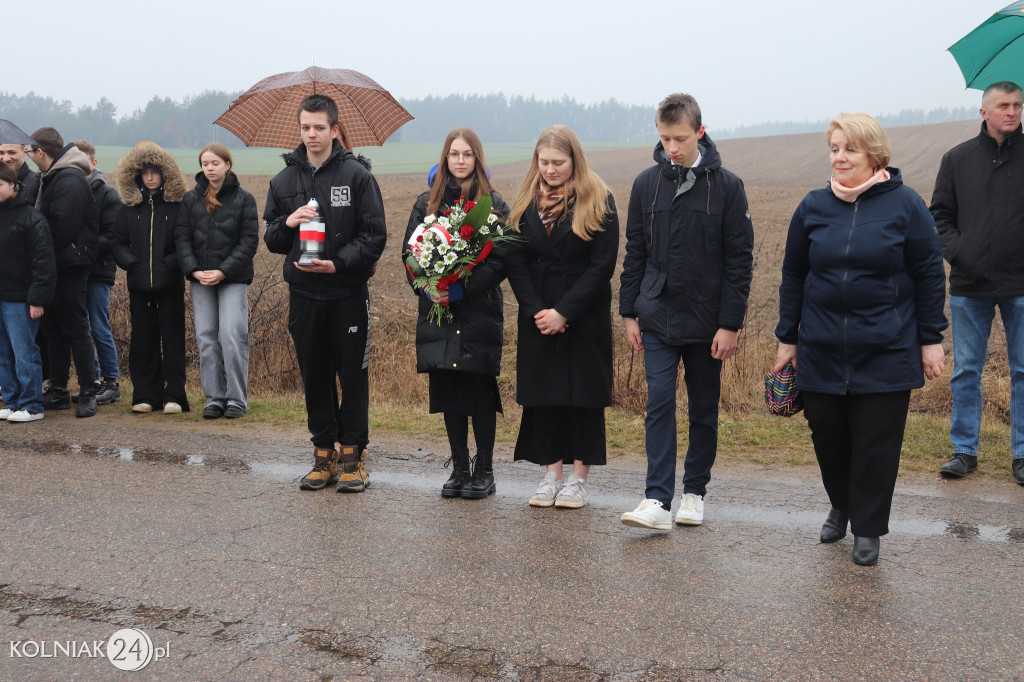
{"x": 570, "y": 504}
{"x": 534, "y": 502}
{"x": 629, "y": 520}
{"x": 688, "y": 521}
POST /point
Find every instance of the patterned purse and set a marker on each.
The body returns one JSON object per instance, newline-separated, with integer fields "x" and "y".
{"x": 781, "y": 395}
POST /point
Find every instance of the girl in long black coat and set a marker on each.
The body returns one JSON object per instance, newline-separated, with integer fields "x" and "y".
{"x": 463, "y": 357}
{"x": 561, "y": 276}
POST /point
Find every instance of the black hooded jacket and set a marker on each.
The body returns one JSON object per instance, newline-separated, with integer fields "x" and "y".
{"x": 28, "y": 272}
{"x": 144, "y": 232}
{"x": 353, "y": 213}
{"x": 224, "y": 240}
{"x": 109, "y": 203}
{"x": 66, "y": 201}
{"x": 689, "y": 245}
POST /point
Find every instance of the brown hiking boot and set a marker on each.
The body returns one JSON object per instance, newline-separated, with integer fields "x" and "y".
{"x": 325, "y": 470}
{"x": 354, "y": 478}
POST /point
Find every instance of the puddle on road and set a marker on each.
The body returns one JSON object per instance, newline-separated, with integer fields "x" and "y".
{"x": 229, "y": 464}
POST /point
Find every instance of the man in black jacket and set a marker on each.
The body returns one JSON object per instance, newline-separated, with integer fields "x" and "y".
{"x": 66, "y": 201}
{"x": 329, "y": 307}
{"x": 978, "y": 206}
{"x": 101, "y": 279}
{"x": 685, "y": 281}
{"x": 14, "y": 156}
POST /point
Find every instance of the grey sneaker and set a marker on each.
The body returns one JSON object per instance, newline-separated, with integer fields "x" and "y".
{"x": 108, "y": 392}
{"x": 547, "y": 491}
{"x": 574, "y": 494}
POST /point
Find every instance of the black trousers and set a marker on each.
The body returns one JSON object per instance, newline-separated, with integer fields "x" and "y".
{"x": 332, "y": 344}
{"x": 66, "y": 327}
{"x": 857, "y": 440}
{"x": 156, "y": 356}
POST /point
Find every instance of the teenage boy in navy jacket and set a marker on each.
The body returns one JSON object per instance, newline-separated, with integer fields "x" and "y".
{"x": 685, "y": 281}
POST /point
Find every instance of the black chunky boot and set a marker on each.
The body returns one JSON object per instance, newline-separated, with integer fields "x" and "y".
{"x": 481, "y": 483}
{"x": 460, "y": 472}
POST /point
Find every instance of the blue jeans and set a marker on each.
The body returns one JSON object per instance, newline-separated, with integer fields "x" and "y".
{"x": 703, "y": 376}
{"x": 972, "y": 324}
{"x": 97, "y": 310}
{"x": 21, "y": 366}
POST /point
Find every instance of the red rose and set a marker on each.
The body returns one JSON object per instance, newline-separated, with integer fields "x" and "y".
{"x": 466, "y": 231}
{"x": 420, "y": 238}
{"x": 469, "y": 206}
{"x": 462, "y": 197}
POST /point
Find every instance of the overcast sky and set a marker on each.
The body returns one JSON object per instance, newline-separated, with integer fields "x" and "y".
{"x": 746, "y": 62}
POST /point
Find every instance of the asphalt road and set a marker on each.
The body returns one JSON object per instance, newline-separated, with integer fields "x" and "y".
{"x": 205, "y": 543}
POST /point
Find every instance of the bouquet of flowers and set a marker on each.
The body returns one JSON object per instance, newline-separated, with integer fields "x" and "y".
{"x": 444, "y": 249}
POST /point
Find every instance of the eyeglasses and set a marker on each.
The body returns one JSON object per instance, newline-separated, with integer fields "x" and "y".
{"x": 455, "y": 156}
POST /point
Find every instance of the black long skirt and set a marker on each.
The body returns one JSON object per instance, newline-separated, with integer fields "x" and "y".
{"x": 551, "y": 434}
{"x": 463, "y": 393}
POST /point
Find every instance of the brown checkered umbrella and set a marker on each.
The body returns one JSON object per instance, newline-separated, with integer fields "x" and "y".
{"x": 264, "y": 116}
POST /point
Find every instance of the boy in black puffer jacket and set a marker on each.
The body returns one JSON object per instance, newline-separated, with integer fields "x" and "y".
{"x": 28, "y": 277}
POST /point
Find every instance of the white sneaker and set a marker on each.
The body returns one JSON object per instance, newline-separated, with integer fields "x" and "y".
{"x": 574, "y": 494}
{"x": 24, "y": 416}
{"x": 172, "y": 408}
{"x": 142, "y": 408}
{"x": 6, "y": 412}
{"x": 547, "y": 491}
{"x": 649, "y": 514}
{"x": 691, "y": 510}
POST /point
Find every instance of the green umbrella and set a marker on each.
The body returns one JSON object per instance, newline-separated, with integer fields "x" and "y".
{"x": 994, "y": 51}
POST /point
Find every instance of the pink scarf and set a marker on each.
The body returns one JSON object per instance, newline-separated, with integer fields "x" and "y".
{"x": 850, "y": 194}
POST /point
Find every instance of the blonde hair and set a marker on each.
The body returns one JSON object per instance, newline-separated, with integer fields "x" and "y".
{"x": 219, "y": 150}
{"x": 589, "y": 191}
{"x": 473, "y": 186}
{"x": 865, "y": 134}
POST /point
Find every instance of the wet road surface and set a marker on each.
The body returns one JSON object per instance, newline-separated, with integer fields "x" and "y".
{"x": 206, "y": 543}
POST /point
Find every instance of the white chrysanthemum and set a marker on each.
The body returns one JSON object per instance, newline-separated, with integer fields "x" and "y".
{"x": 424, "y": 262}
{"x": 491, "y": 219}
{"x": 426, "y": 248}
{"x": 449, "y": 258}
{"x": 443, "y": 249}
{"x": 439, "y": 267}
{"x": 460, "y": 245}
{"x": 484, "y": 230}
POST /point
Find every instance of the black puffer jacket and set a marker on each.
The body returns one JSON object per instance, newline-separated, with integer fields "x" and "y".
{"x": 29, "y": 180}
{"x": 978, "y": 206}
{"x": 67, "y": 203}
{"x": 224, "y": 240}
{"x": 144, "y": 232}
{"x": 353, "y": 213}
{"x": 472, "y": 341}
{"x": 109, "y": 203}
{"x": 28, "y": 272}
{"x": 689, "y": 243}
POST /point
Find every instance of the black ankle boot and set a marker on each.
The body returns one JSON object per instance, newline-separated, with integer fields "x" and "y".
{"x": 834, "y": 528}
{"x": 481, "y": 483}
{"x": 460, "y": 472}
{"x": 865, "y": 551}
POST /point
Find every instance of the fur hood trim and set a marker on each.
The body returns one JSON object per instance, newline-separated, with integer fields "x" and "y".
{"x": 130, "y": 167}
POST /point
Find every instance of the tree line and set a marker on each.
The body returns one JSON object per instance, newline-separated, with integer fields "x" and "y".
{"x": 496, "y": 117}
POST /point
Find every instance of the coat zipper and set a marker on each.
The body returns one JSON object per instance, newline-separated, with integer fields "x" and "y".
{"x": 846, "y": 315}
{"x": 152, "y": 217}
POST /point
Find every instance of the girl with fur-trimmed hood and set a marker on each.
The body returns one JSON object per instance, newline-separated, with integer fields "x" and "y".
{"x": 151, "y": 186}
